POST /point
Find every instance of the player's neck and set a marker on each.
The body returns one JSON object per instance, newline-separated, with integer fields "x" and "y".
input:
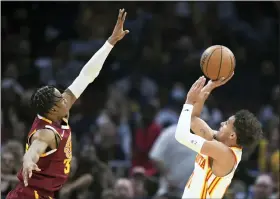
{"x": 233, "y": 145}
{"x": 54, "y": 118}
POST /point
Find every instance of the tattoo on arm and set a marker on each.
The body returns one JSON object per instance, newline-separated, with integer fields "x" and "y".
{"x": 203, "y": 132}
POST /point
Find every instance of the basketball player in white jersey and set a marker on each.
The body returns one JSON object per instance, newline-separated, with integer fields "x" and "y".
{"x": 219, "y": 152}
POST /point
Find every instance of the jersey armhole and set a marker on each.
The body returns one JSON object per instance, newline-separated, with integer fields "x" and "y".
{"x": 30, "y": 136}
{"x": 57, "y": 140}
{"x": 233, "y": 168}
{"x": 235, "y": 164}
{"x": 57, "y": 136}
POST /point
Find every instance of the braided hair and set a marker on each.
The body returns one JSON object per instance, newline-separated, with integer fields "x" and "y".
{"x": 43, "y": 99}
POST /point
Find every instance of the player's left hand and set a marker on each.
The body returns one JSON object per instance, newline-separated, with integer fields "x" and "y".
{"x": 194, "y": 93}
{"x": 118, "y": 32}
{"x": 27, "y": 169}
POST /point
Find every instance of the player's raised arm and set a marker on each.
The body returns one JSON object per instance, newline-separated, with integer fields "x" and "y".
{"x": 39, "y": 142}
{"x": 216, "y": 150}
{"x": 198, "y": 126}
{"x": 92, "y": 68}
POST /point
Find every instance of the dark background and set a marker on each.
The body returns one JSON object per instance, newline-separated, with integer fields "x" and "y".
{"x": 49, "y": 42}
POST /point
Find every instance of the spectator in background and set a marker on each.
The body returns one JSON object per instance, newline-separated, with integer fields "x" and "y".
{"x": 89, "y": 162}
{"x": 263, "y": 188}
{"x": 15, "y": 147}
{"x": 76, "y": 186}
{"x": 106, "y": 140}
{"x": 172, "y": 161}
{"x": 108, "y": 194}
{"x": 163, "y": 48}
{"x": 123, "y": 189}
{"x": 139, "y": 183}
{"x": 138, "y": 86}
{"x": 116, "y": 113}
{"x": 145, "y": 136}
{"x": 8, "y": 172}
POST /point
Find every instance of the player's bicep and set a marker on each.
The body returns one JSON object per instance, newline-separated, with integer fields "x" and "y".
{"x": 201, "y": 128}
{"x": 41, "y": 140}
{"x": 38, "y": 147}
{"x": 70, "y": 97}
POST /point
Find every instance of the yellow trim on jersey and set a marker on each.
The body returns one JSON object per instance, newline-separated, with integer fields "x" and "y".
{"x": 204, "y": 187}
{"x": 29, "y": 136}
{"x": 189, "y": 181}
{"x": 65, "y": 120}
{"x": 214, "y": 184}
{"x": 204, "y": 190}
{"x": 44, "y": 119}
{"x": 36, "y": 195}
{"x": 236, "y": 147}
{"x": 48, "y": 153}
{"x": 208, "y": 174}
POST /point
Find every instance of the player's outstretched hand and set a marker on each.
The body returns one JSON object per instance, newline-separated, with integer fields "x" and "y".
{"x": 194, "y": 93}
{"x": 220, "y": 82}
{"x": 118, "y": 32}
{"x": 27, "y": 169}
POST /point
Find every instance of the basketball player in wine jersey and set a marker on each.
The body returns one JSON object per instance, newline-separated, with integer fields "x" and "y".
{"x": 219, "y": 152}
{"x": 46, "y": 163}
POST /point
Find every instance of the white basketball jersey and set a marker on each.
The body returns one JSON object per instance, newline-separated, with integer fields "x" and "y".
{"x": 204, "y": 184}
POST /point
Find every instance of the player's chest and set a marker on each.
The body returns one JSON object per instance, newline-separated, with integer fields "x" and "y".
{"x": 65, "y": 145}
{"x": 201, "y": 162}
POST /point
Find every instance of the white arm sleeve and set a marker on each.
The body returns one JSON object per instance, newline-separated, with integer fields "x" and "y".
{"x": 91, "y": 70}
{"x": 183, "y": 134}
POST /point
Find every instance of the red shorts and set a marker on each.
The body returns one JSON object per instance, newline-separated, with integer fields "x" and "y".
{"x": 22, "y": 192}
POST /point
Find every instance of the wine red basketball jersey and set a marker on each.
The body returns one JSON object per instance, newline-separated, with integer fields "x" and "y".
{"x": 54, "y": 164}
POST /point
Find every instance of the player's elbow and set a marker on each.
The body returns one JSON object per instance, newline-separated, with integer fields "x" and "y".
{"x": 178, "y": 136}
{"x": 194, "y": 122}
{"x": 193, "y": 119}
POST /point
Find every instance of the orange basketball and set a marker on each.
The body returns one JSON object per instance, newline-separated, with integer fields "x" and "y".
{"x": 217, "y": 61}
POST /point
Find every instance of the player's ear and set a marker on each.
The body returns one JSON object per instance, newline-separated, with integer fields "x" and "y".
{"x": 53, "y": 110}
{"x": 232, "y": 135}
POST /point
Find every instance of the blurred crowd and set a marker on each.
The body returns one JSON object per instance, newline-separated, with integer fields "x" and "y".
{"x": 123, "y": 125}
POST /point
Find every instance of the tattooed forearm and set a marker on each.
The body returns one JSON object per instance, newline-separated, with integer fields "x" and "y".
{"x": 203, "y": 132}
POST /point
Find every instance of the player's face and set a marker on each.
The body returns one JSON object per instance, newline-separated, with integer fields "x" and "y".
{"x": 226, "y": 130}
{"x": 61, "y": 104}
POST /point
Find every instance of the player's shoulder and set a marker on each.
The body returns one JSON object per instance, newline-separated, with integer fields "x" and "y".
{"x": 45, "y": 135}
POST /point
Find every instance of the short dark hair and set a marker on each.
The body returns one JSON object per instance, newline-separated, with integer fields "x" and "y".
{"x": 43, "y": 99}
{"x": 248, "y": 128}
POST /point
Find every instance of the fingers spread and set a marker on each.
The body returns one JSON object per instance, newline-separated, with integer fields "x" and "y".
{"x": 126, "y": 31}
{"x": 124, "y": 16}
{"x": 36, "y": 168}
{"x": 29, "y": 172}
{"x": 120, "y": 14}
{"x": 25, "y": 178}
{"x": 200, "y": 83}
